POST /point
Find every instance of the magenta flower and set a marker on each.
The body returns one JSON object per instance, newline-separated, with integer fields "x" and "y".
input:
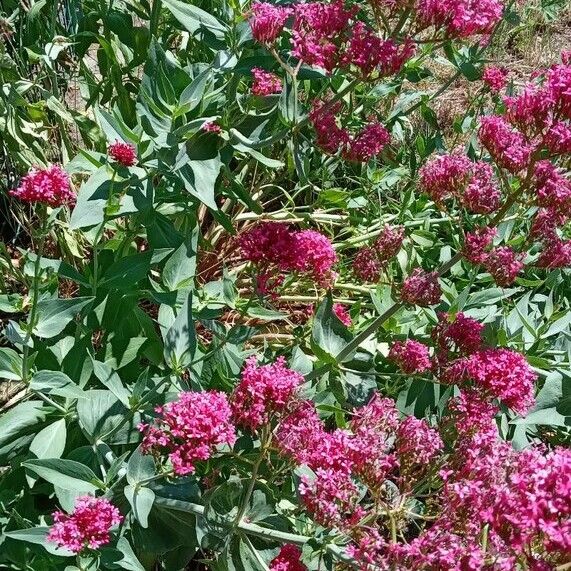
{"x": 495, "y": 78}
{"x": 87, "y": 527}
{"x": 267, "y": 21}
{"x": 190, "y": 429}
{"x": 477, "y": 244}
{"x": 49, "y": 186}
{"x": 410, "y": 356}
{"x": 123, "y": 153}
{"x": 421, "y": 288}
{"x": 263, "y": 392}
{"x": 265, "y": 83}
{"x": 288, "y": 559}
{"x": 507, "y": 146}
{"x": 504, "y": 265}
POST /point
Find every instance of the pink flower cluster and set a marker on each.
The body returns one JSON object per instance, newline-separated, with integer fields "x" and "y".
{"x": 421, "y": 288}
{"x": 276, "y": 249}
{"x": 123, "y": 153}
{"x": 472, "y": 184}
{"x": 326, "y": 35}
{"x": 495, "y": 78}
{"x": 498, "y": 373}
{"x": 520, "y": 501}
{"x": 502, "y": 262}
{"x": 267, "y": 21}
{"x": 263, "y": 392}
{"x": 507, "y": 146}
{"x": 365, "y": 451}
{"x": 332, "y": 138}
{"x": 372, "y": 260}
{"x": 288, "y": 559}
{"x": 190, "y": 429}
{"x": 522, "y": 497}
{"x": 49, "y": 186}
{"x": 410, "y": 356}
{"x": 265, "y": 83}
{"x": 461, "y": 18}
{"x": 87, "y": 527}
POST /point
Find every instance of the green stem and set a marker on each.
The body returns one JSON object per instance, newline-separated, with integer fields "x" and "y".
{"x": 35, "y": 295}
{"x": 264, "y": 443}
{"x": 155, "y": 13}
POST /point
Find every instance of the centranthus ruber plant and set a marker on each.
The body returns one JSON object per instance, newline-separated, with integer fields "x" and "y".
{"x": 285, "y": 286}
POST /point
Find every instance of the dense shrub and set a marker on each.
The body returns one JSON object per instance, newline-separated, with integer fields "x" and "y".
{"x": 266, "y": 306}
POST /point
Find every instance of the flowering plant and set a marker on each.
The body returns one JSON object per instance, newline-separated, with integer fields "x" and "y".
{"x": 273, "y": 308}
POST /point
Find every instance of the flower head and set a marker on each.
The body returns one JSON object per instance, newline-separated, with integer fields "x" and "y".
{"x": 507, "y": 146}
{"x": 495, "y": 78}
{"x": 421, "y": 288}
{"x": 267, "y": 21}
{"x": 366, "y": 265}
{"x": 265, "y": 83}
{"x": 190, "y": 429}
{"x": 388, "y": 242}
{"x": 504, "y": 264}
{"x": 368, "y": 143}
{"x": 49, "y": 186}
{"x": 411, "y": 356}
{"x": 477, "y": 244}
{"x": 87, "y": 527}
{"x": 123, "y": 153}
{"x": 263, "y": 391}
{"x": 288, "y": 559}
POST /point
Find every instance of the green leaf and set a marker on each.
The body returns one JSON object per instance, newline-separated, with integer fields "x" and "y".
{"x": 10, "y": 364}
{"x": 194, "y": 19}
{"x": 140, "y": 467}
{"x": 200, "y": 177}
{"x": 56, "y": 383}
{"x": 92, "y": 198}
{"x": 112, "y": 381}
{"x": 21, "y": 419}
{"x": 329, "y": 336}
{"x": 180, "y": 340}
{"x": 193, "y": 93}
{"x": 55, "y": 314}
{"x": 180, "y": 268}
{"x": 129, "y": 561}
{"x": 38, "y": 535}
{"x": 126, "y": 272}
{"x": 50, "y": 441}
{"x": 66, "y": 474}
{"x": 141, "y": 500}
{"x": 103, "y": 417}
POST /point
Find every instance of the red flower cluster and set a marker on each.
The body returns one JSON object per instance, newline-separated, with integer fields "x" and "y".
{"x": 288, "y": 559}
{"x": 472, "y": 184}
{"x": 123, "y": 153}
{"x": 277, "y": 249}
{"x": 263, "y": 392}
{"x": 371, "y": 260}
{"x": 190, "y": 429}
{"x": 461, "y": 358}
{"x": 331, "y": 138}
{"x": 410, "y": 356}
{"x": 265, "y": 83}
{"x": 49, "y": 186}
{"x": 87, "y": 527}
{"x": 495, "y": 78}
{"x": 367, "y": 450}
{"x": 421, "y": 288}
